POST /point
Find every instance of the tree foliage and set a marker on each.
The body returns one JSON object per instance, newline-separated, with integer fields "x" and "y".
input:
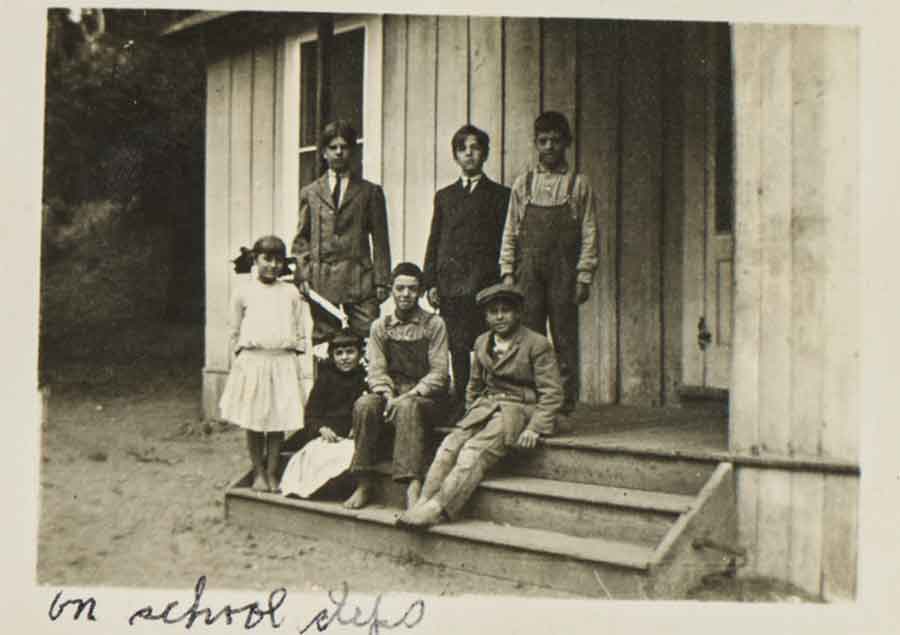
{"x": 124, "y": 109}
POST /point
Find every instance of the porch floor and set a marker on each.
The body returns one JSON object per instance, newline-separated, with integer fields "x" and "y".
{"x": 698, "y": 432}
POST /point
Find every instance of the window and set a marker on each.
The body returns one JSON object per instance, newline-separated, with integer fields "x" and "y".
{"x": 346, "y": 68}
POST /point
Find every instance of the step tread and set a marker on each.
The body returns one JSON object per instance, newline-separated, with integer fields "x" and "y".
{"x": 590, "y": 549}
{"x": 581, "y": 492}
{"x": 590, "y": 493}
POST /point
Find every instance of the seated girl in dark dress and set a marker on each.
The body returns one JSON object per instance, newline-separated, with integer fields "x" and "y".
{"x": 340, "y": 381}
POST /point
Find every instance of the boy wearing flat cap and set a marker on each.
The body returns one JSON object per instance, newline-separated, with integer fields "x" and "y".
{"x": 514, "y": 395}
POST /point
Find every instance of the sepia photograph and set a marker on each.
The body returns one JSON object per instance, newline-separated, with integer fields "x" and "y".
{"x": 447, "y": 305}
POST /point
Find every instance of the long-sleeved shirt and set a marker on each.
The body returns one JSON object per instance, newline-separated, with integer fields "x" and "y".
{"x": 420, "y": 325}
{"x": 549, "y": 188}
{"x": 266, "y": 316}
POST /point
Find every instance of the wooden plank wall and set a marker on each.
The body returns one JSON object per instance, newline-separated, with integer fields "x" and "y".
{"x": 243, "y": 184}
{"x": 795, "y": 374}
{"x": 618, "y": 82}
{"x": 611, "y": 80}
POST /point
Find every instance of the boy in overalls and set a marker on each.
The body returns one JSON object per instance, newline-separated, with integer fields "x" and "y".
{"x": 549, "y": 246}
{"x": 408, "y": 379}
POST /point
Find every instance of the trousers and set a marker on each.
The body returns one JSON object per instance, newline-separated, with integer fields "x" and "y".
{"x": 461, "y": 462}
{"x": 410, "y": 428}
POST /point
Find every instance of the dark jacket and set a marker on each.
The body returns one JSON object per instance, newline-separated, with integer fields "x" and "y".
{"x": 332, "y": 247}
{"x": 523, "y": 383}
{"x": 464, "y": 244}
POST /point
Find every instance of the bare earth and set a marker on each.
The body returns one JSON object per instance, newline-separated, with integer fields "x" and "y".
{"x": 132, "y": 485}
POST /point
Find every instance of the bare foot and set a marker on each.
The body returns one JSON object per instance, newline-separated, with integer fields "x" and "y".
{"x": 424, "y": 515}
{"x": 260, "y": 484}
{"x": 360, "y": 497}
{"x": 412, "y": 493}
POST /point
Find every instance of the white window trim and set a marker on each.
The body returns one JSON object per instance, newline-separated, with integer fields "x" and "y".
{"x": 288, "y": 112}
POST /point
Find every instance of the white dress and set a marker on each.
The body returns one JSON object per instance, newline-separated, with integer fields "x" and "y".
{"x": 263, "y": 391}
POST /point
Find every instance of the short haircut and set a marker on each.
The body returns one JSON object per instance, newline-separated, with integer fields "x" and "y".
{"x": 458, "y": 141}
{"x": 271, "y": 245}
{"x": 407, "y": 269}
{"x": 345, "y": 337}
{"x": 337, "y": 128}
{"x": 552, "y": 121}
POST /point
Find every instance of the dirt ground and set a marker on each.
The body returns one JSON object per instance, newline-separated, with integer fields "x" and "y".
{"x": 132, "y": 484}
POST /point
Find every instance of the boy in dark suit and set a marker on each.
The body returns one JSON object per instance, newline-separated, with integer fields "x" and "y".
{"x": 513, "y": 397}
{"x": 463, "y": 247}
{"x": 339, "y": 212}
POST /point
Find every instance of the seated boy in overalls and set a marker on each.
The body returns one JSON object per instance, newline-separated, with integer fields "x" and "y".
{"x": 408, "y": 379}
{"x": 549, "y": 246}
{"x": 513, "y": 396}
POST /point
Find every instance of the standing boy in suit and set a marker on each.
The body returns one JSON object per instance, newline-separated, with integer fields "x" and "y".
{"x": 550, "y": 244}
{"x": 339, "y": 212}
{"x": 463, "y": 247}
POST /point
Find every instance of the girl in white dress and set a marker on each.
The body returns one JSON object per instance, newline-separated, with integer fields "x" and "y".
{"x": 263, "y": 392}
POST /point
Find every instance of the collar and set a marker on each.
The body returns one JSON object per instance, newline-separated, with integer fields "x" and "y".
{"x": 474, "y": 179}
{"x": 511, "y": 340}
{"x": 562, "y": 168}
{"x": 418, "y": 316}
{"x": 332, "y": 175}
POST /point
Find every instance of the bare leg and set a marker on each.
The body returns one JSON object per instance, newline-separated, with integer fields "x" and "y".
{"x": 412, "y": 493}
{"x": 363, "y": 493}
{"x": 274, "y": 441}
{"x": 255, "y": 444}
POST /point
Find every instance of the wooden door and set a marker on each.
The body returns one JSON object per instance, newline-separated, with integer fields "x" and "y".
{"x": 709, "y": 213}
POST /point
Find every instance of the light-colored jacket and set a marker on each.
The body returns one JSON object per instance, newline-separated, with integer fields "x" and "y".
{"x": 332, "y": 246}
{"x": 523, "y": 383}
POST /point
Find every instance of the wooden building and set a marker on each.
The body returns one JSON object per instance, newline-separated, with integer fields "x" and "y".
{"x": 724, "y": 159}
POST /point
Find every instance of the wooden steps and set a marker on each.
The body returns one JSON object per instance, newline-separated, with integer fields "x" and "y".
{"x": 595, "y": 521}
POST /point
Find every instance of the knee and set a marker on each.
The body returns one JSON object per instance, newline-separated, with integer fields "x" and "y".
{"x": 410, "y": 409}
{"x": 368, "y": 405}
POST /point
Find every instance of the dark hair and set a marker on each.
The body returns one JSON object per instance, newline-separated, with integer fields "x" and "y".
{"x": 552, "y": 121}
{"x": 345, "y": 337}
{"x": 407, "y": 269}
{"x": 271, "y": 245}
{"x": 337, "y": 128}
{"x": 458, "y": 141}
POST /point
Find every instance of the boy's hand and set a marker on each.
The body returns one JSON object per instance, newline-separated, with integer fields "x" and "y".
{"x": 381, "y": 293}
{"x": 582, "y": 291}
{"x": 328, "y": 434}
{"x": 528, "y": 439}
{"x": 433, "y": 297}
{"x": 509, "y": 279}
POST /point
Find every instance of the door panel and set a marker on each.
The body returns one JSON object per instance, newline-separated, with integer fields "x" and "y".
{"x": 709, "y": 221}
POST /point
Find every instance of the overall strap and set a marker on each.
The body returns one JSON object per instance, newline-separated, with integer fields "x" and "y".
{"x": 571, "y": 188}
{"x": 529, "y": 179}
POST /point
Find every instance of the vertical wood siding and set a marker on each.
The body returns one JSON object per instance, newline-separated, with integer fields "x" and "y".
{"x": 795, "y": 370}
{"x": 499, "y": 74}
{"x": 244, "y": 199}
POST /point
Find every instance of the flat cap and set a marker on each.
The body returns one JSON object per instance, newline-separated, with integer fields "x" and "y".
{"x": 496, "y": 291}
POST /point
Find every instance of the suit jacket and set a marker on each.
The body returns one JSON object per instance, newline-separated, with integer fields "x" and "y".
{"x": 523, "y": 384}
{"x": 332, "y": 246}
{"x": 463, "y": 249}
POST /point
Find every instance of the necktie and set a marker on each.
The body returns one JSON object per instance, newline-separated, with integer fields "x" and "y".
{"x": 336, "y": 193}
{"x": 467, "y": 186}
